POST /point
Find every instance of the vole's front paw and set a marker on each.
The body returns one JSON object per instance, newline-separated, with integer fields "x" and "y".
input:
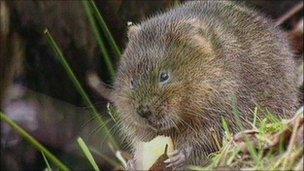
{"x": 178, "y": 158}
{"x": 131, "y": 165}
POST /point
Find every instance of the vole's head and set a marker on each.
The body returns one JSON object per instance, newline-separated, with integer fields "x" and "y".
{"x": 157, "y": 76}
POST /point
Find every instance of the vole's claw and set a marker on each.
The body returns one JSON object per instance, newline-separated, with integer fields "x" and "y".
{"x": 176, "y": 161}
{"x": 175, "y": 152}
{"x": 177, "y": 158}
{"x": 131, "y": 165}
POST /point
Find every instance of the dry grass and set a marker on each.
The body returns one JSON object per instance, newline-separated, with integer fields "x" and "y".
{"x": 272, "y": 144}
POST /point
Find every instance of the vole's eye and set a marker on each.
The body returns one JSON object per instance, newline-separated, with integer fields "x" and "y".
{"x": 164, "y": 77}
{"x": 132, "y": 84}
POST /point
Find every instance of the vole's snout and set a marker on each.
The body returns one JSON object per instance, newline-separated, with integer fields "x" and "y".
{"x": 144, "y": 111}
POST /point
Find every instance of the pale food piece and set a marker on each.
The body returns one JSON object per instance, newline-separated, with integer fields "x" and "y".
{"x": 146, "y": 153}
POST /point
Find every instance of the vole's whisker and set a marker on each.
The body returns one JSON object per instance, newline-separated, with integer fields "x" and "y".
{"x": 197, "y": 115}
{"x": 88, "y": 121}
{"x": 99, "y": 127}
{"x": 188, "y": 125}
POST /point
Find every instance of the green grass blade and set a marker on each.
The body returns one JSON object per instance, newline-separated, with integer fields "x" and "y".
{"x": 33, "y": 141}
{"x": 105, "y": 28}
{"x": 100, "y": 42}
{"x": 87, "y": 153}
{"x": 226, "y": 127}
{"x": 177, "y": 3}
{"x": 111, "y": 112}
{"x": 78, "y": 86}
{"x": 255, "y": 116}
{"x": 109, "y": 160}
{"x": 46, "y": 162}
{"x": 252, "y": 151}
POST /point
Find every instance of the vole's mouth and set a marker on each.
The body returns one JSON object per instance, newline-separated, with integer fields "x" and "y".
{"x": 147, "y": 129}
{"x": 160, "y": 125}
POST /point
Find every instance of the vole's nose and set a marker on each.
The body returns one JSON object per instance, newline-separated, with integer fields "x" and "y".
{"x": 143, "y": 111}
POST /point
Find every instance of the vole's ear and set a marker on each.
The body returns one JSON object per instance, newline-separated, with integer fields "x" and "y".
{"x": 191, "y": 26}
{"x": 133, "y": 30}
{"x": 99, "y": 86}
{"x": 194, "y": 22}
{"x": 199, "y": 34}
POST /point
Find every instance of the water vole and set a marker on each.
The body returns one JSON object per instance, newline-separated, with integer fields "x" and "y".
{"x": 184, "y": 70}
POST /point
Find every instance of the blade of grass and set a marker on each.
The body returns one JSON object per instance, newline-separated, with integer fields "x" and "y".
{"x": 104, "y": 28}
{"x": 46, "y": 162}
{"x": 78, "y": 86}
{"x": 123, "y": 161}
{"x": 110, "y": 111}
{"x": 252, "y": 151}
{"x": 87, "y": 153}
{"x": 226, "y": 128}
{"x": 177, "y": 3}
{"x": 233, "y": 156}
{"x": 99, "y": 40}
{"x": 33, "y": 141}
{"x": 112, "y": 162}
{"x": 291, "y": 143}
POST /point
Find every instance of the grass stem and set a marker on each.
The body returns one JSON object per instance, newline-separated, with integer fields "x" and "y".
{"x": 87, "y": 153}
{"x": 104, "y": 51}
{"x": 105, "y": 28}
{"x": 78, "y": 86}
{"x": 46, "y": 162}
{"x": 33, "y": 141}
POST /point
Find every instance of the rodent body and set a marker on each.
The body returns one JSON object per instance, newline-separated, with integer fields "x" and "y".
{"x": 185, "y": 70}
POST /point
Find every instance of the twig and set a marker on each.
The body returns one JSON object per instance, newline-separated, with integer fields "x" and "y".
{"x": 299, "y": 166}
{"x": 291, "y": 142}
{"x": 289, "y": 14}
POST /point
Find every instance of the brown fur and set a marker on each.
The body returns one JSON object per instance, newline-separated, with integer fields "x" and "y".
{"x": 221, "y": 57}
